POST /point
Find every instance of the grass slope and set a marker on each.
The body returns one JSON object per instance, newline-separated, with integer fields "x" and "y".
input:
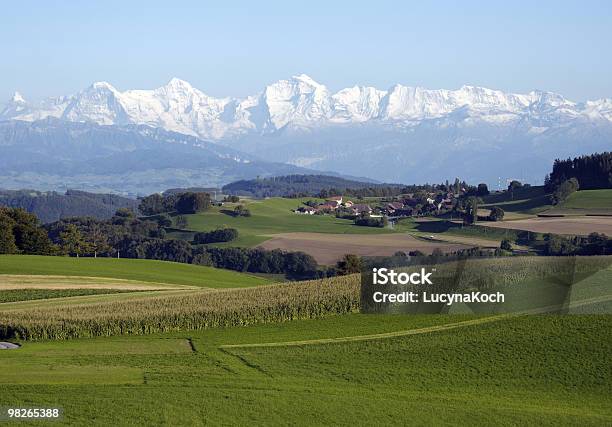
{"x": 591, "y": 200}
{"x": 270, "y": 216}
{"x": 530, "y": 370}
{"x": 131, "y": 269}
{"x": 439, "y": 228}
{"x": 522, "y": 202}
{"x": 13, "y": 295}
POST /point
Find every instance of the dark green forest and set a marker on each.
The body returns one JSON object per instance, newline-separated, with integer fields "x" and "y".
{"x": 592, "y": 172}
{"x": 51, "y": 206}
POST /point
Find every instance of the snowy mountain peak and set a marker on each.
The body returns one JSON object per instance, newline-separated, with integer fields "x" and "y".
{"x": 18, "y": 98}
{"x": 177, "y": 83}
{"x": 302, "y": 103}
{"x": 306, "y": 79}
{"x": 104, "y": 86}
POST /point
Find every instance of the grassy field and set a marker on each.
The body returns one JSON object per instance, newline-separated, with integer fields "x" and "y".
{"x": 299, "y": 354}
{"x": 531, "y": 370}
{"x": 442, "y": 229}
{"x": 586, "y": 202}
{"x": 195, "y": 309}
{"x": 533, "y": 200}
{"x": 13, "y": 295}
{"x": 129, "y": 269}
{"x": 523, "y": 202}
{"x": 270, "y": 216}
{"x": 590, "y": 199}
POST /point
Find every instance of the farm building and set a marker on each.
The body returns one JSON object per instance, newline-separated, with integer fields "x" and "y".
{"x": 305, "y": 210}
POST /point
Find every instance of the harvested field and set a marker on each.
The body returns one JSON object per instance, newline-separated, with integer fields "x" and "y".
{"x": 329, "y": 248}
{"x": 558, "y": 225}
{"x": 16, "y": 281}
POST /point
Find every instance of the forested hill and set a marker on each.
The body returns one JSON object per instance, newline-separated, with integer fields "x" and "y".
{"x": 51, "y": 206}
{"x": 297, "y": 185}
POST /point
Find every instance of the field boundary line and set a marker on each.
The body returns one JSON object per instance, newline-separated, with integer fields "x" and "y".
{"x": 383, "y": 335}
{"x": 418, "y": 331}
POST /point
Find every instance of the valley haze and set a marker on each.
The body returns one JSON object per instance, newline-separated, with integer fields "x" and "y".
{"x": 401, "y": 134}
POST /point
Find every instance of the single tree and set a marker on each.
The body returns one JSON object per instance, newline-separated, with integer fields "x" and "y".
{"x": 72, "y": 241}
{"x": 181, "y": 221}
{"x": 496, "y": 214}
{"x": 349, "y": 264}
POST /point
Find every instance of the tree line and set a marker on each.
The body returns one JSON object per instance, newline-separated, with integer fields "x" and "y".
{"x": 591, "y": 172}
{"x": 183, "y": 203}
{"x": 593, "y": 244}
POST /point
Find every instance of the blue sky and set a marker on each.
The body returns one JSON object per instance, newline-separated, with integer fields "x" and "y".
{"x": 237, "y": 47}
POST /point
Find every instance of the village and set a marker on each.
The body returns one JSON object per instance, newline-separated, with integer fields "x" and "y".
{"x": 406, "y": 205}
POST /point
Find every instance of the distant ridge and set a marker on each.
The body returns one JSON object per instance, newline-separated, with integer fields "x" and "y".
{"x": 294, "y": 185}
{"x": 51, "y": 206}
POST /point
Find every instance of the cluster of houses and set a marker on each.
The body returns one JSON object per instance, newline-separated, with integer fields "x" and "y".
{"x": 408, "y": 205}
{"x": 333, "y": 204}
{"x": 411, "y": 206}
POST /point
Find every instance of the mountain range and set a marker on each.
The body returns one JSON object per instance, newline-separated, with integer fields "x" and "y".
{"x": 402, "y": 134}
{"x": 53, "y": 154}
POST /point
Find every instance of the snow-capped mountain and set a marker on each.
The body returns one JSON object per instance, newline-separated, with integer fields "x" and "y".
{"x": 406, "y": 134}
{"x": 300, "y": 102}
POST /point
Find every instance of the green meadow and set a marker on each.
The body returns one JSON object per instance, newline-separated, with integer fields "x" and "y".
{"x": 338, "y": 367}
{"x": 269, "y": 216}
{"x": 530, "y": 370}
{"x": 533, "y": 200}
{"x": 128, "y": 269}
{"x": 596, "y": 200}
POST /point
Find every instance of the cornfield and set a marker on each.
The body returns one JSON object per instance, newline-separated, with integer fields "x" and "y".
{"x": 193, "y": 310}
{"x": 197, "y": 310}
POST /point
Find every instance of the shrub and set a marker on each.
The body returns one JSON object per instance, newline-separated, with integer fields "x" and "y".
{"x": 164, "y": 220}
{"x": 219, "y": 235}
{"x": 506, "y": 245}
{"x": 496, "y": 214}
{"x": 349, "y": 264}
{"x": 241, "y": 211}
{"x": 370, "y": 222}
{"x": 181, "y": 221}
{"x": 563, "y": 191}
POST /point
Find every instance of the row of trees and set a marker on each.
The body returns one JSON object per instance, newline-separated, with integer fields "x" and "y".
{"x": 183, "y": 203}
{"x": 368, "y": 221}
{"x": 593, "y": 244}
{"x": 295, "y": 265}
{"x": 218, "y": 235}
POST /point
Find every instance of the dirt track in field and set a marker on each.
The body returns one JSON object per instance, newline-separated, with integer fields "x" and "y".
{"x": 582, "y": 225}
{"x": 14, "y": 281}
{"x": 329, "y": 248}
